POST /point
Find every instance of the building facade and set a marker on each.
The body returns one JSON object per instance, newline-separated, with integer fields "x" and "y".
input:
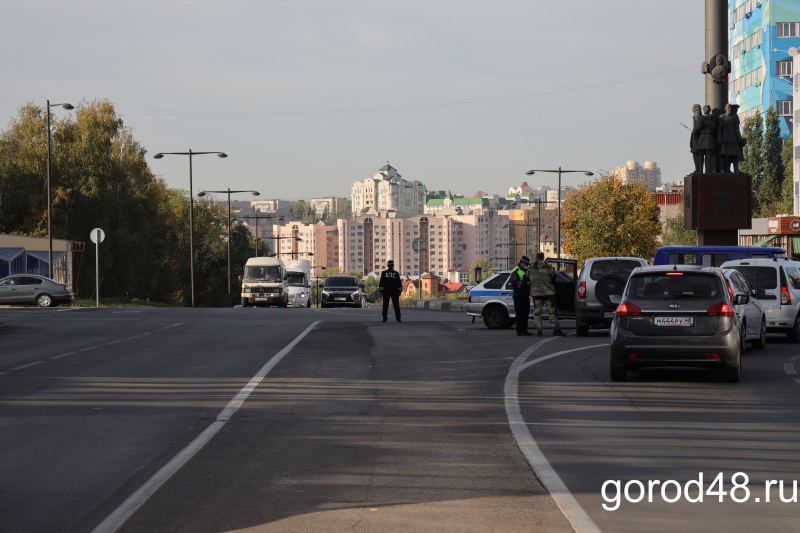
{"x": 388, "y": 191}
{"x": 649, "y": 174}
{"x": 760, "y": 36}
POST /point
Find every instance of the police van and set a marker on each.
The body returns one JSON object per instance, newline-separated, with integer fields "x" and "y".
{"x": 493, "y": 299}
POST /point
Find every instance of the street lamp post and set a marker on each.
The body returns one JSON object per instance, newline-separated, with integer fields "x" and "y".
{"x": 190, "y": 153}
{"x": 50, "y": 192}
{"x": 229, "y": 192}
{"x": 317, "y": 283}
{"x": 559, "y": 171}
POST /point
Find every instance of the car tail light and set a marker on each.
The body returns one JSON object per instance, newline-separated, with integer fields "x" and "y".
{"x": 720, "y": 309}
{"x": 635, "y": 356}
{"x": 582, "y": 290}
{"x": 785, "y": 298}
{"x": 730, "y": 289}
{"x": 628, "y": 309}
{"x": 712, "y": 356}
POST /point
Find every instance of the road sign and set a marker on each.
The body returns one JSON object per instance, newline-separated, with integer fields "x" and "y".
{"x": 419, "y": 245}
{"x": 97, "y": 235}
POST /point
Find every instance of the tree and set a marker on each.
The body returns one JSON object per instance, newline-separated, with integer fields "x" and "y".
{"x": 675, "y": 232}
{"x": 609, "y": 218}
{"x": 486, "y": 269}
{"x": 769, "y": 190}
{"x": 787, "y": 189}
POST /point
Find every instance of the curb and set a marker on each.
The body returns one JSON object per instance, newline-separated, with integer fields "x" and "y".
{"x": 442, "y": 305}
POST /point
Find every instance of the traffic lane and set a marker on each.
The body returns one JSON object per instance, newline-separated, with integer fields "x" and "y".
{"x": 81, "y": 430}
{"x": 370, "y": 427}
{"x": 667, "y": 424}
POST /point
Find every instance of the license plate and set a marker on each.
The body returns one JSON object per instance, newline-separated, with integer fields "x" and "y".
{"x": 340, "y": 298}
{"x": 262, "y": 299}
{"x": 609, "y": 314}
{"x": 674, "y": 321}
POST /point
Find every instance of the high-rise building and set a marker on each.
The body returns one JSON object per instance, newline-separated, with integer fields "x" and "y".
{"x": 761, "y": 35}
{"x": 650, "y": 174}
{"x": 387, "y": 191}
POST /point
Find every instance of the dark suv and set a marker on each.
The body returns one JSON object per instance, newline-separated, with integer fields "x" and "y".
{"x": 600, "y": 279}
{"x": 342, "y": 291}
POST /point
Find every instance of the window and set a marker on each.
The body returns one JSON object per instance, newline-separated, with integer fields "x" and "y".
{"x": 783, "y": 68}
{"x": 787, "y": 29}
{"x": 784, "y": 108}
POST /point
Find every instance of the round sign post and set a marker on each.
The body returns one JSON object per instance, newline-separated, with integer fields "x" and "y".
{"x": 97, "y": 237}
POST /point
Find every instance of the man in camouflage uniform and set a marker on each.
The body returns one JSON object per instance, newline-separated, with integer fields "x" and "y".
{"x": 541, "y": 277}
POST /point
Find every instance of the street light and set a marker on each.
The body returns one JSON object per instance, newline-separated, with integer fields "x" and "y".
{"x": 50, "y": 191}
{"x": 254, "y": 193}
{"x": 317, "y": 283}
{"x": 190, "y": 153}
{"x": 559, "y": 171}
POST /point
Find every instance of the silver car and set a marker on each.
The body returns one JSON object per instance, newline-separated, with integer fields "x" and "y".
{"x": 677, "y": 315}
{"x": 780, "y": 280}
{"x": 32, "y": 289}
{"x": 600, "y": 279}
{"x": 751, "y": 315}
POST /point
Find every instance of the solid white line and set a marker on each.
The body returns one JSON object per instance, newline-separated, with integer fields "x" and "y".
{"x": 28, "y": 365}
{"x": 115, "y": 520}
{"x": 62, "y": 355}
{"x": 797, "y": 380}
{"x": 569, "y": 506}
{"x": 789, "y": 368}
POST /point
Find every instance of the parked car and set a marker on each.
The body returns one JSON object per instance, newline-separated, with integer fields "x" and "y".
{"x": 32, "y": 289}
{"x": 493, "y": 299}
{"x": 677, "y": 315}
{"x": 751, "y": 315}
{"x": 780, "y": 280}
{"x": 600, "y": 279}
{"x": 342, "y": 291}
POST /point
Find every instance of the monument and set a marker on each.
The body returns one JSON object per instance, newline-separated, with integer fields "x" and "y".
{"x": 717, "y": 196}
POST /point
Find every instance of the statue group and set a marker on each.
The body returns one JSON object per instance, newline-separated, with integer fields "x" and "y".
{"x": 716, "y": 143}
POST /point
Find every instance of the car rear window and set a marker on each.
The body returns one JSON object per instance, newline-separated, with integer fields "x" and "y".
{"x": 759, "y": 277}
{"x": 621, "y": 268}
{"x": 496, "y": 282}
{"x": 668, "y": 285}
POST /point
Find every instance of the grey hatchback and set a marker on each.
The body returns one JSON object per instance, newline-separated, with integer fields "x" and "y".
{"x": 30, "y": 289}
{"x": 677, "y": 315}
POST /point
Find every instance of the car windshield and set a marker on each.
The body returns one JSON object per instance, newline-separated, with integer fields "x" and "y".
{"x": 341, "y": 281}
{"x": 621, "y": 268}
{"x": 297, "y": 280}
{"x": 674, "y": 285}
{"x": 759, "y": 277}
{"x": 265, "y": 273}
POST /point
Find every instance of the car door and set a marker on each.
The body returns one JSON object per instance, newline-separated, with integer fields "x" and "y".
{"x": 28, "y": 288}
{"x": 749, "y": 311}
{"x": 8, "y": 290}
{"x": 566, "y": 276}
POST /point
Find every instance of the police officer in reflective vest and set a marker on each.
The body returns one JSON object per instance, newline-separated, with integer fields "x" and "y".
{"x": 391, "y": 286}
{"x": 522, "y": 293}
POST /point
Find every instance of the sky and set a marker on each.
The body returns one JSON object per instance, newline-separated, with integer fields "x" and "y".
{"x": 308, "y": 96}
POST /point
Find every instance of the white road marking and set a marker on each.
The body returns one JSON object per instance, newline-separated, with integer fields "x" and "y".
{"x": 28, "y": 365}
{"x": 569, "y": 506}
{"x": 115, "y": 520}
{"x": 62, "y": 355}
{"x": 789, "y": 368}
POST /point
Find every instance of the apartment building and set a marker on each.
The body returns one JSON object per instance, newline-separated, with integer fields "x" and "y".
{"x": 649, "y": 174}
{"x": 388, "y": 191}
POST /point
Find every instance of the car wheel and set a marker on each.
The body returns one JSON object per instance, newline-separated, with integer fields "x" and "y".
{"x": 308, "y": 304}
{"x": 761, "y": 341}
{"x": 495, "y": 317}
{"x": 619, "y": 373}
{"x": 794, "y": 333}
{"x": 582, "y": 330}
{"x": 244, "y": 302}
{"x": 733, "y": 374}
{"x": 44, "y": 300}
{"x": 608, "y": 286}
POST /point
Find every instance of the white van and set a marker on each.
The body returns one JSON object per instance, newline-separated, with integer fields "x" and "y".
{"x": 265, "y": 282}
{"x": 299, "y": 274}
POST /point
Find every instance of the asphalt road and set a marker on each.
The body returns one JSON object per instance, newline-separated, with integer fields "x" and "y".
{"x": 125, "y": 416}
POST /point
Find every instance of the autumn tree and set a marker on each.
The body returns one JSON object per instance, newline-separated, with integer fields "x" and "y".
{"x": 675, "y": 232}
{"x": 486, "y": 269}
{"x": 609, "y": 218}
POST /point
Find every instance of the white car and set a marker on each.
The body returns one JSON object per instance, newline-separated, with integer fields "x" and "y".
{"x": 752, "y": 319}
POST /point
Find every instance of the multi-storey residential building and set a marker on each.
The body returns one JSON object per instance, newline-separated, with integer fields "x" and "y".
{"x": 270, "y": 206}
{"x": 761, "y": 35}
{"x": 331, "y": 203}
{"x": 796, "y": 147}
{"x": 453, "y": 241}
{"x": 387, "y": 191}
{"x": 650, "y": 174}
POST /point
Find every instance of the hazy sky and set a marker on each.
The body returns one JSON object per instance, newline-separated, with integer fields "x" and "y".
{"x": 307, "y": 96}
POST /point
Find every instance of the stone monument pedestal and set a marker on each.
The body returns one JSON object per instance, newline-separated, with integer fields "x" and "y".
{"x": 717, "y": 206}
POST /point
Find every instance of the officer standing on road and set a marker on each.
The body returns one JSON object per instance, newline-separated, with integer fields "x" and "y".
{"x": 390, "y": 287}
{"x": 522, "y": 295}
{"x": 541, "y": 277}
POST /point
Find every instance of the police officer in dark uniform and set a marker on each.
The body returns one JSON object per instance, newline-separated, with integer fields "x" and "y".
{"x": 522, "y": 293}
{"x": 390, "y": 287}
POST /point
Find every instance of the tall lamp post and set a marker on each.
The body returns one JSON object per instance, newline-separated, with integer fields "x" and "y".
{"x": 229, "y": 192}
{"x": 50, "y": 192}
{"x": 559, "y": 171}
{"x": 190, "y": 153}
{"x": 318, "y": 267}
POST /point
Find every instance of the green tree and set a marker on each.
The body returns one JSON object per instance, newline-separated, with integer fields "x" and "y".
{"x": 787, "y": 189}
{"x": 486, "y": 267}
{"x": 753, "y": 133}
{"x": 675, "y": 232}
{"x": 609, "y": 218}
{"x": 768, "y": 193}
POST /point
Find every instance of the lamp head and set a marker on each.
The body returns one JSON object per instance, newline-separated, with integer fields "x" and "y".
{"x": 589, "y": 173}
{"x": 530, "y": 173}
{"x": 67, "y": 106}
{"x": 256, "y": 193}
{"x": 201, "y": 193}
{"x": 223, "y": 155}
{"x": 158, "y": 156}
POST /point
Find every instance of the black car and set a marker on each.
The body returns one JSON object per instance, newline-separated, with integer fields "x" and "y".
{"x": 33, "y": 289}
{"x": 342, "y": 291}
